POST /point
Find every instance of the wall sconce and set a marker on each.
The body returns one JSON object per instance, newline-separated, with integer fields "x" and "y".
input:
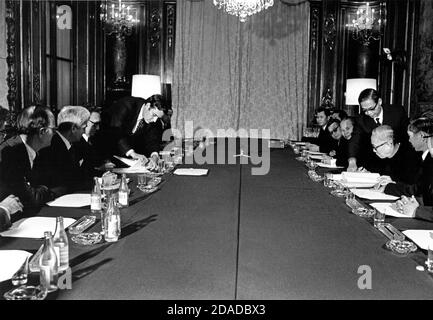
{"x": 396, "y": 56}
{"x": 145, "y": 85}
{"x": 354, "y": 88}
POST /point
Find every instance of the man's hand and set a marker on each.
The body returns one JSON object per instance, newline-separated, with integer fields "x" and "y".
{"x": 138, "y": 156}
{"x": 352, "y": 168}
{"x": 153, "y": 162}
{"x": 12, "y": 204}
{"x": 332, "y": 153}
{"x": 407, "y": 206}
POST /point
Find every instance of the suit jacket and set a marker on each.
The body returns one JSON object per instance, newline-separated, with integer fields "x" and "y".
{"x": 119, "y": 120}
{"x": 423, "y": 187}
{"x": 325, "y": 141}
{"x": 5, "y": 222}
{"x": 17, "y": 177}
{"x": 393, "y": 116}
{"x": 58, "y": 167}
{"x": 341, "y": 152}
{"x": 89, "y": 156}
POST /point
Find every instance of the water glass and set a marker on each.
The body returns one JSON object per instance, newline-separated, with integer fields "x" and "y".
{"x": 161, "y": 166}
{"x": 429, "y": 261}
{"x": 141, "y": 180}
{"x": 379, "y": 218}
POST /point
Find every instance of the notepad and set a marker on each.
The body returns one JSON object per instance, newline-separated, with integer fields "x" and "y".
{"x": 385, "y": 207}
{"x": 420, "y": 237}
{"x": 190, "y": 172}
{"x": 11, "y": 262}
{"x": 34, "y": 227}
{"x": 74, "y": 200}
{"x": 372, "y": 194}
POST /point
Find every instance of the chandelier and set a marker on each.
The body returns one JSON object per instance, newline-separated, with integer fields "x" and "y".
{"x": 243, "y": 8}
{"x": 117, "y": 19}
{"x": 368, "y": 24}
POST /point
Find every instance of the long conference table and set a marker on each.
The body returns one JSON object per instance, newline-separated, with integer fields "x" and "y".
{"x": 233, "y": 235}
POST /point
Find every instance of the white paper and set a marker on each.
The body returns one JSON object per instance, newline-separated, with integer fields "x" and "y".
{"x": 385, "y": 207}
{"x": 11, "y": 262}
{"x": 358, "y": 184}
{"x": 316, "y": 152}
{"x": 372, "y": 194}
{"x": 420, "y": 237}
{"x": 324, "y": 165}
{"x": 74, "y": 200}
{"x": 317, "y": 156}
{"x": 138, "y": 169}
{"x": 190, "y": 172}
{"x": 360, "y": 177}
{"x": 300, "y": 143}
{"x": 128, "y": 162}
{"x": 34, "y": 227}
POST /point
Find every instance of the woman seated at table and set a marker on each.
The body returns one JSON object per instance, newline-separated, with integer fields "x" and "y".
{"x": 339, "y": 150}
{"x": 9, "y": 206}
{"x": 18, "y": 156}
{"x": 420, "y": 133}
{"x": 399, "y": 161}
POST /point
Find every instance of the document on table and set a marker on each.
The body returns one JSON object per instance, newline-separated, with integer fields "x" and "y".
{"x": 363, "y": 177}
{"x": 317, "y": 153}
{"x": 324, "y": 165}
{"x": 386, "y": 208}
{"x": 11, "y": 262}
{"x": 190, "y": 172}
{"x": 420, "y": 237}
{"x": 372, "y": 194}
{"x": 135, "y": 166}
{"x": 34, "y": 227}
{"x": 74, "y": 200}
{"x": 128, "y": 162}
{"x": 317, "y": 156}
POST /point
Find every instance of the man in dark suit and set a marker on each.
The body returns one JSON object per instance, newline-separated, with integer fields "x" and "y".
{"x": 17, "y": 173}
{"x": 59, "y": 165}
{"x": 132, "y": 128}
{"x": 324, "y": 142}
{"x": 375, "y": 114}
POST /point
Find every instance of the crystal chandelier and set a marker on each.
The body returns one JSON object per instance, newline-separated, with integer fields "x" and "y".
{"x": 368, "y": 24}
{"x": 243, "y": 8}
{"x": 117, "y": 19}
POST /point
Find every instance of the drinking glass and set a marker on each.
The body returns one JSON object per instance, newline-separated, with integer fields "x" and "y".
{"x": 429, "y": 261}
{"x": 141, "y": 181}
{"x": 379, "y": 218}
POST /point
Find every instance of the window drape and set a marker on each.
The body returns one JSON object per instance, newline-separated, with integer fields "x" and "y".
{"x": 234, "y": 75}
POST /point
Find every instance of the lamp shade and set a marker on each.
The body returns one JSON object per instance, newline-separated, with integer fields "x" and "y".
{"x": 145, "y": 85}
{"x": 354, "y": 88}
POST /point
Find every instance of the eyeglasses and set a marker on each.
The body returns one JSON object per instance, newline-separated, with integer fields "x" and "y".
{"x": 428, "y": 136}
{"x": 96, "y": 123}
{"x": 377, "y": 147}
{"x": 369, "y": 109}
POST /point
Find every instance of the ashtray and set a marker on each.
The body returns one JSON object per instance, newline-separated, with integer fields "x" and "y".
{"x": 300, "y": 158}
{"x": 87, "y": 239}
{"x": 338, "y": 193}
{"x": 363, "y": 212}
{"x": 147, "y": 189}
{"x": 401, "y": 246}
{"x": 26, "y": 293}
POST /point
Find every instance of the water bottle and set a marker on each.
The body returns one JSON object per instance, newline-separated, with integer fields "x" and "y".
{"x": 96, "y": 198}
{"x": 112, "y": 221}
{"x": 123, "y": 192}
{"x": 61, "y": 245}
{"x": 48, "y": 265}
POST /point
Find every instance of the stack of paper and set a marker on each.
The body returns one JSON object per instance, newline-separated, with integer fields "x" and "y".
{"x": 34, "y": 227}
{"x": 386, "y": 208}
{"x": 372, "y": 194}
{"x": 11, "y": 262}
{"x": 190, "y": 172}
{"x": 421, "y": 237}
{"x": 135, "y": 166}
{"x": 366, "y": 177}
{"x": 75, "y": 200}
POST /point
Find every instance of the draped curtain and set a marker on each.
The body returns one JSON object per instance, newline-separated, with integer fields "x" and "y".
{"x": 234, "y": 75}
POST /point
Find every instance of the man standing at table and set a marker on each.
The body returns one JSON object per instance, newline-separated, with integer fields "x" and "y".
{"x": 375, "y": 114}
{"x": 132, "y": 129}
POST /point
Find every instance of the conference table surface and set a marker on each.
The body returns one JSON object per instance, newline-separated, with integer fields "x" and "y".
{"x": 234, "y": 235}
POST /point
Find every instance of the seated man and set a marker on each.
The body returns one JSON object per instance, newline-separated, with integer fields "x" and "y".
{"x": 324, "y": 140}
{"x": 339, "y": 150}
{"x": 59, "y": 165}
{"x": 420, "y": 133}
{"x": 8, "y": 207}
{"x": 17, "y": 170}
{"x": 85, "y": 146}
{"x": 399, "y": 160}
{"x": 131, "y": 128}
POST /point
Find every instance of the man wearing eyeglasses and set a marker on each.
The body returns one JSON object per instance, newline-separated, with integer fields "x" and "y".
{"x": 131, "y": 128}
{"x": 374, "y": 114}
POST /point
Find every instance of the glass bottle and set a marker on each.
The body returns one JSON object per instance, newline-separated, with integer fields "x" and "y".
{"x": 48, "y": 264}
{"x": 96, "y": 197}
{"x": 61, "y": 245}
{"x": 123, "y": 192}
{"x": 112, "y": 221}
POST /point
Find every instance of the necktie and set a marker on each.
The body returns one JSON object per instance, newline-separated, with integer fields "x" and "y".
{"x": 378, "y": 122}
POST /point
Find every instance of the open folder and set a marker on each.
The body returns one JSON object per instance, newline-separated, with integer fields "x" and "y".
{"x": 34, "y": 227}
